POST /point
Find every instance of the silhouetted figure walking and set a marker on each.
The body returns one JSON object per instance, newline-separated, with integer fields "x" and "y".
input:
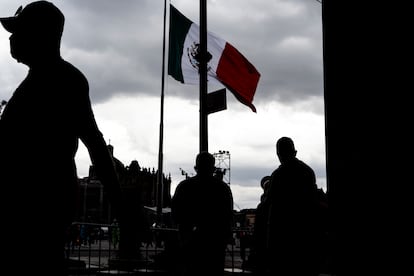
{"x": 202, "y": 207}
{"x": 40, "y": 130}
{"x": 293, "y": 218}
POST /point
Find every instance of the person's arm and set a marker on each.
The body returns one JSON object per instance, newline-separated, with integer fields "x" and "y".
{"x": 176, "y": 206}
{"x": 230, "y": 214}
{"x": 101, "y": 158}
{"x": 104, "y": 166}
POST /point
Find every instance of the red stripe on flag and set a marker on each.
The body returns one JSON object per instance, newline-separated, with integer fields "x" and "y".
{"x": 238, "y": 75}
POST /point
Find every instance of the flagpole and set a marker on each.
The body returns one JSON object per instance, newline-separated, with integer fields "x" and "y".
{"x": 203, "y": 77}
{"x": 160, "y": 184}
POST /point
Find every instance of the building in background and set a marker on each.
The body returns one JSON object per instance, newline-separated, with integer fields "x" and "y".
{"x": 140, "y": 184}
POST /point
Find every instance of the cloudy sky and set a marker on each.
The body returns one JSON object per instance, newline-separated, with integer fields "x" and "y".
{"x": 118, "y": 46}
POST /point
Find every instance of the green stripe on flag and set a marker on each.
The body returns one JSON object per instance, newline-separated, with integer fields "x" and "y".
{"x": 179, "y": 26}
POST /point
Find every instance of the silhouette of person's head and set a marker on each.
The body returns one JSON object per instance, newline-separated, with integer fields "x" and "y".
{"x": 205, "y": 163}
{"x": 285, "y": 149}
{"x": 36, "y": 32}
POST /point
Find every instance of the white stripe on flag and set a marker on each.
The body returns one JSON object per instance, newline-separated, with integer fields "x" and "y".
{"x": 215, "y": 47}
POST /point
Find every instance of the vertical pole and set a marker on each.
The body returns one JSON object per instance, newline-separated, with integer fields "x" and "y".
{"x": 203, "y": 77}
{"x": 160, "y": 184}
{"x": 85, "y": 194}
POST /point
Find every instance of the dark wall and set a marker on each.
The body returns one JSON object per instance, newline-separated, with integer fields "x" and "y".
{"x": 368, "y": 132}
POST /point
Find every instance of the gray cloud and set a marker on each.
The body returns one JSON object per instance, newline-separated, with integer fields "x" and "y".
{"x": 251, "y": 175}
{"x": 119, "y": 44}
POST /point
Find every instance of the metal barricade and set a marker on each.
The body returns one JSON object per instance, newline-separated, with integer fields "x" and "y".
{"x": 90, "y": 251}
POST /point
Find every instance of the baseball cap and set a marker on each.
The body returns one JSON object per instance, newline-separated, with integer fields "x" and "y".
{"x": 38, "y": 17}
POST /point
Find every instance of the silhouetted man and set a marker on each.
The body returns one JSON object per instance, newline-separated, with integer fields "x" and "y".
{"x": 293, "y": 199}
{"x": 202, "y": 207}
{"x": 39, "y": 132}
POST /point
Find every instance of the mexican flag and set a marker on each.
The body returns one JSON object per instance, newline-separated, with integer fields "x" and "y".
{"x": 226, "y": 65}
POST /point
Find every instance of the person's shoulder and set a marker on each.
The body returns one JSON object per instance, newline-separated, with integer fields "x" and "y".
{"x": 74, "y": 73}
{"x": 275, "y": 172}
{"x": 222, "y": 184}
{"x": 184, "y": 183}
{"x": 303, "y": 164}
{"x": 183, "y": 188}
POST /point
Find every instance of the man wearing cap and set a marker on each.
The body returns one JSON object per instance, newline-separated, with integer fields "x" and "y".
{"x": 293, "y": 199}
{"x": 39, "y": 132}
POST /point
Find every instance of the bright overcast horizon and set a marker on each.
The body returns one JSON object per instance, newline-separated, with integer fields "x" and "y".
{"x": 118, "y": 46}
